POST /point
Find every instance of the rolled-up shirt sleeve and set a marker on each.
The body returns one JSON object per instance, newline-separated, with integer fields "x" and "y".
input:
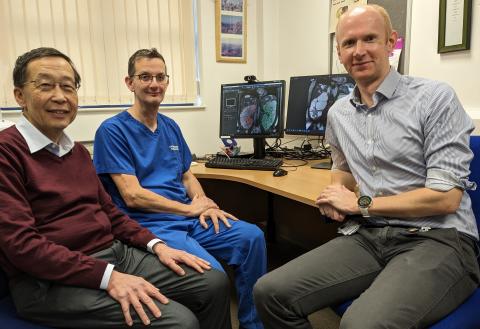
{"x": 443, "y": 180}
{"x": 447, "y": 136}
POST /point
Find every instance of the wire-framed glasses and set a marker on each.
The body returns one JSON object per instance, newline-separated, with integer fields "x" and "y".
{"x": 148, "y": 78}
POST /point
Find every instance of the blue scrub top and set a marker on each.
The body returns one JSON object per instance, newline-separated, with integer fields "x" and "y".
{"x": 123, "y": 145}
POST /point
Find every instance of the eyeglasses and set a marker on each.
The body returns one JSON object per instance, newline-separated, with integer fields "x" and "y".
{"x": 148, "y": 78}
{"x": 44, "y": 85}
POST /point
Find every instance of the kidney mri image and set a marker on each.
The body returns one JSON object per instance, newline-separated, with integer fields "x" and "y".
{"x": 321, "y": 95}
{"x": 258, "y": 111}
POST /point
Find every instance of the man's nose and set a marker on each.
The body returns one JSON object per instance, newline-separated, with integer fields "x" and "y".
{"x": 359, "y": 49}
{"x": 58, "y": 94}
{"x": 155, "y": 82}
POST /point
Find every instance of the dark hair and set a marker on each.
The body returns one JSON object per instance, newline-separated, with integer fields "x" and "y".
{"x": 143, "y": 53}
{"x": 20, "y": 69}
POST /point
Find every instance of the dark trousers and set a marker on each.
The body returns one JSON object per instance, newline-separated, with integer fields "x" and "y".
{"x": 403, "y": 279}
{"x": 196, "y": 300}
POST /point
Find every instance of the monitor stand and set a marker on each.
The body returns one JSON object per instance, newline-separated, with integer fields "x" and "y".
{"x": 259, "y": 148}
{"x": 323, "y": 165}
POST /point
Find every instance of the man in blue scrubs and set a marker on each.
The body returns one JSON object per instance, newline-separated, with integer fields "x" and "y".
{"x": 144, "y": 163}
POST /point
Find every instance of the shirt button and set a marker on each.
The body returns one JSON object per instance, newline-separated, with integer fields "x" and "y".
{"x": 374, "y": 168}
{"x": 370, "y": 142}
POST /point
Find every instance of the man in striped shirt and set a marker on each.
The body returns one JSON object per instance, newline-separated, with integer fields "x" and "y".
{"x": 399, "y": 179}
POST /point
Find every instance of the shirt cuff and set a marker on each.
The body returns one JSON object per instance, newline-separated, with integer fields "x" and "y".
{"x": 152, "y": 243}
{"x": 443, "y": 180}
{"x": 106, "y": 276}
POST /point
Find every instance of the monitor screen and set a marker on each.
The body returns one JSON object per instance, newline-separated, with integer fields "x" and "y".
{"x": 252, "y": 110}
{"x": 310, "y": 98}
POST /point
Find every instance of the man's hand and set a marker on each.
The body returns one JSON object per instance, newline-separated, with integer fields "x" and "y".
{"x": 330, "y": 212}
{"x": 172, "y": 257}
{"x": 200, "y": 204}
{"x": 342, "y": 200}
{"x": 133, "y": 290}
{"x": 215, "y": 214}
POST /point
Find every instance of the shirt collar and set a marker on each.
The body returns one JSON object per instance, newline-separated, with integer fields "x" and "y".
{"x": 387, "y": 87}
{"x": 37, "y": 141}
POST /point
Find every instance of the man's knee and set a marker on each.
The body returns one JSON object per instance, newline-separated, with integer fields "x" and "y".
{"x": 187, "y": 320}
{"x": 264, "y": 292}
{"x": 252, "y": 233}
{"x": 175, "y": 316}
{"x": 217, "y": 283}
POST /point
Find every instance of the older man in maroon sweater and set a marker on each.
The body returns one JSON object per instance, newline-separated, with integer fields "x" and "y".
{"x": 73, "y": 259}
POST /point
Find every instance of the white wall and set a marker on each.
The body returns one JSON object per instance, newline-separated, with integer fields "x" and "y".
{"x": 287, "y": 38}
{"x": 304, "y": 38}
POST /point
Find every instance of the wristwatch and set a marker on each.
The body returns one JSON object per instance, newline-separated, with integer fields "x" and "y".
{"x": 364, "y": 202}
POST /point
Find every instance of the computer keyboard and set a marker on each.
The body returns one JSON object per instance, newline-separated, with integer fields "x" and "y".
{"x": 243, "y": 163}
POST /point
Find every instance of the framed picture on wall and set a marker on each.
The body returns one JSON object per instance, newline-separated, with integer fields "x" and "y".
{"x": 231, "y": 30}
{"x": 454, "y": 25}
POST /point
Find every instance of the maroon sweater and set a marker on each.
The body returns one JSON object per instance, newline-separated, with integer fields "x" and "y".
{"x": 54, "y": 212}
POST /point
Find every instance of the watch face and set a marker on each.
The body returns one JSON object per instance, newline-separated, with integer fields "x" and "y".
{"x": 364, "y": 201}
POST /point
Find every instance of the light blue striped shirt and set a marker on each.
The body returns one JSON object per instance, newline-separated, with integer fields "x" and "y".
{"x": 415, "y": 135}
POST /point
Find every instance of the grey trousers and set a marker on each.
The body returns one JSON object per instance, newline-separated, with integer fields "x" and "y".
{"x": 196, "y": 300}
{"x": 403, "y": 280}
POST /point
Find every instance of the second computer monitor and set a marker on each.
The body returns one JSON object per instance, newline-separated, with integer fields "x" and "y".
{"x": 310, "y": 98}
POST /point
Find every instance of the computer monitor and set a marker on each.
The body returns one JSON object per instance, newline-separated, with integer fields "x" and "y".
{"x": 253, "y": 110}
{"x": 310, "y": 98}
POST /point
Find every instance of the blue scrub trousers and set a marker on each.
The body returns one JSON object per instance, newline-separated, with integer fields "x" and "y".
{"x": 242, "y": 247}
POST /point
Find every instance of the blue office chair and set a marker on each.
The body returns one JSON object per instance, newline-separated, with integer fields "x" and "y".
{"x": 466, "y": 315}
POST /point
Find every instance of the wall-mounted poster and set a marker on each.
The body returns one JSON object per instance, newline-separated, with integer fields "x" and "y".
{"x": 231, "y": 30}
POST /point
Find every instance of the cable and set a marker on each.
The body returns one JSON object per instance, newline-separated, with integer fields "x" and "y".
{"x": 304, "y": 152}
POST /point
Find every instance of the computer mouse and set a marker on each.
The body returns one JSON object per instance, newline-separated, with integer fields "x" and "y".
{"x": 280, "y": 172}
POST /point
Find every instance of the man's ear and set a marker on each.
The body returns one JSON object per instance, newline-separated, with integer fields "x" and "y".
{"x": 19, "y": 96}
{"x": 392, "y": 40}
{"x": 129, "y": 83}
{"x": 338, "y": 54}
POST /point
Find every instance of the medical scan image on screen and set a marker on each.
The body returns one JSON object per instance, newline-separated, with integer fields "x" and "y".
{"x": 310, "y": 99}
{"x": 251, "y": 110}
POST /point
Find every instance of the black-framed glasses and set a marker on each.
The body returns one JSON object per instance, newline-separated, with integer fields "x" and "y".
{"x": 46, "y": 85}
{"x": 148, "y": 78}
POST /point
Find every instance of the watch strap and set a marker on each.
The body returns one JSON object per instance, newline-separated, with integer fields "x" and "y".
{"x": 364, "y": 212}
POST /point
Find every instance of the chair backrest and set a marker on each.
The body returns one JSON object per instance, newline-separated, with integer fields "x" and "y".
{"x": 475, "y": 176}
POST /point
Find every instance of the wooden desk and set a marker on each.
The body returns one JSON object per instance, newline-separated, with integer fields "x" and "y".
{"x": 302, "y": 184}
{"x": 286, "y": 203}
